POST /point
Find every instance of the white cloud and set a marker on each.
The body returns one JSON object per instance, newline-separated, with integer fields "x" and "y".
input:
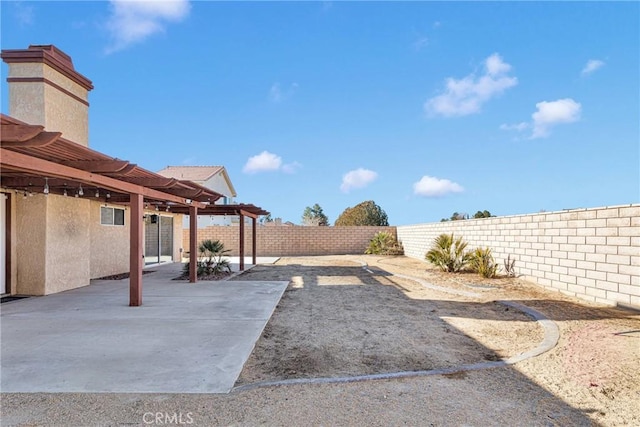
{"x": 591, "y": 66}
{"x": 552, "y": 113}
{"x": 133, "y": 21}
{"x": 467, "y": 95}
{"x": 277, "y": 94}
{"x": 517, "y": 127}
{"x": 291, "y": 168}
{"x": 269, "y": 162}
{"x": 430, "y": 186}
{"x": 357, "y": 178}
{"x": 262, "y": 162}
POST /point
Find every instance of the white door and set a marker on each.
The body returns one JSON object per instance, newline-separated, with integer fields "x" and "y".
{"x": 3, "y": 243}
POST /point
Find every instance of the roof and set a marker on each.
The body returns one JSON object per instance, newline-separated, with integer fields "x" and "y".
{"x": 192, "y": 173}
{"x": 199, "y": 174}
{"x": 32, "y": 158}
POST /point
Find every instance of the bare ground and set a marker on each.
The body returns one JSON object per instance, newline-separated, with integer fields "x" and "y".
{"x": 338, "y": 319}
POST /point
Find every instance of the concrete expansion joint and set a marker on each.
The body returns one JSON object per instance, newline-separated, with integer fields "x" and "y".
{"x": 550, "y": 340}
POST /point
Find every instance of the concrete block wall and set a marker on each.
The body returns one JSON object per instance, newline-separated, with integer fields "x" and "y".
{"x": 593, "y": 253}
{"x": 292, "y": 240}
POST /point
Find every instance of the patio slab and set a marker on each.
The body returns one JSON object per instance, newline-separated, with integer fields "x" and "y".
{"x": 185, "y": 338}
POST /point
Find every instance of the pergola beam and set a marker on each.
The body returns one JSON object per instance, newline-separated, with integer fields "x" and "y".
{"x": 241, "y": 241}
{"x": 24, "y": 163}
{"x": 20, "y": 133}
{"x": 193, "y": 244}
{"x": 42, "y": 139}
{"x": 253, "y": 241}
{"x": 153, "y": 182}
{"x": 136, "y": 259}
{"x": 98, "y": 166}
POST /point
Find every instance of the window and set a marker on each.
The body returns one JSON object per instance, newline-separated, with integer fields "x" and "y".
{"x": 111, "y": 216}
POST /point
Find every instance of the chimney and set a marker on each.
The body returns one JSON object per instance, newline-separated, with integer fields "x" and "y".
{"x": 45, "y": 89}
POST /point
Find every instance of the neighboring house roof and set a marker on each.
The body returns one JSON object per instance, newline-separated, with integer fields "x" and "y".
{"x": 198, "y": 174}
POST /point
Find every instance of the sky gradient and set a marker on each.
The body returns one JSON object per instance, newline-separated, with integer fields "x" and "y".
{"x": 424, "y": 107}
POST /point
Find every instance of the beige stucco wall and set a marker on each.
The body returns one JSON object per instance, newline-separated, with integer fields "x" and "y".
{"x": 30, "y": 245}
{"x": 26, "y": 99}
{"x": 68, "y": 243}
{"x": 109, "y": 244}
{"x": 40, "y": 103}
{"x": 59, "y": 244}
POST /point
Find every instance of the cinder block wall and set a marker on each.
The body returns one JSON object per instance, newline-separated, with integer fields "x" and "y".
{"x": 591, "y": 253}
{"x": 292, "y": 240}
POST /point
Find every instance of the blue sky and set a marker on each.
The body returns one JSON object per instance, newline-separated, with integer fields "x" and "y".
{"x": 424, "y": 107}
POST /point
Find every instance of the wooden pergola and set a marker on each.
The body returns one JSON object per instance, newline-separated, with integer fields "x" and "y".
{"x": 36, "y": 161}
{"x": 241, "y": 210}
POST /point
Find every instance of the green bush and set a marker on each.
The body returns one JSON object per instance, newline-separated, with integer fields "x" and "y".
{"x": 482, "y": 262}
{"x": 448, "y": 253}
{"x": 210, "y": 258}
{"x": 384, "y": 243}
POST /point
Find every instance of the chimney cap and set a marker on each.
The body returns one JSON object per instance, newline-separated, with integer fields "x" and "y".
{"x": 50, "y": 55}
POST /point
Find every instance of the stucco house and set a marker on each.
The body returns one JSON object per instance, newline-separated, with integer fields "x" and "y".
{"x": 69, "y": 214}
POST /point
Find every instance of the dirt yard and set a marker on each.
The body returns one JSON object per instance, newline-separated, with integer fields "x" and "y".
{"x": 345, "y": 316}
{"x": 356, "y": 315}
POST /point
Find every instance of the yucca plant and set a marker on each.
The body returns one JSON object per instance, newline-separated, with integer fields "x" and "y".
{"x": 384, "y": 243}
{"x": 448, "y": 253}
{"x": 482, "y": 262}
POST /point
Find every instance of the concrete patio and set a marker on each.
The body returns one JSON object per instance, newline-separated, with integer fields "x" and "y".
{"x": 185, "y": 338}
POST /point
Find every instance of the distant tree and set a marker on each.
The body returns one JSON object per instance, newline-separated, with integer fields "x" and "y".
{"x": 265, "y": 219}
{"x": 365, "y": 213}
{"x": 461, "y": 216}
{"x": 483, "y": 214}
{"x": 314, "y": 216}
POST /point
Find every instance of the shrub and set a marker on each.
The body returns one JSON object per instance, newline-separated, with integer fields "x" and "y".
{"x": 384, "y": 243}
{"x": 482, "y": 262}
{"x": 510, "y": 266}
{"x": 448, "y": 253}
{"x": 210, "y": 258}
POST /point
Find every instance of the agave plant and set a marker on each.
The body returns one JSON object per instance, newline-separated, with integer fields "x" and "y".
{"x": 482, "y": 262}
{"x": 448, "y": 253}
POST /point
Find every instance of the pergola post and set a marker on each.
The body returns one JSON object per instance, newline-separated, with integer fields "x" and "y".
{"x": 135, "y": 250}
{"x": 253, "y": 241}
{"x": 193, "y": 244}
{"x": 241, "y": 242}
